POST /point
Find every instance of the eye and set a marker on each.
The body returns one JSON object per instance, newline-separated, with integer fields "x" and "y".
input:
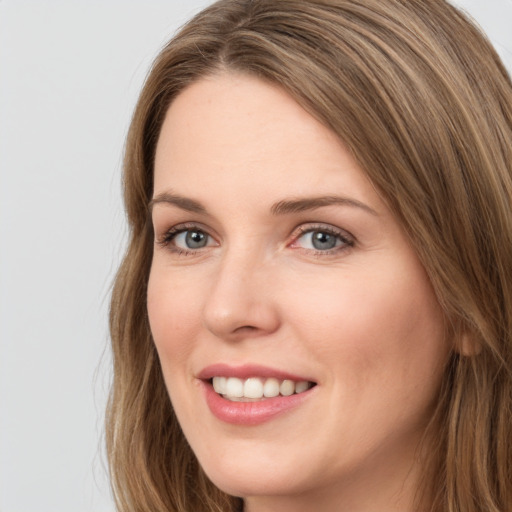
{"x": 319, "y": 240}
{"x": 191, "y": 239}
{"x": 322, "y": 239}
{"x": 183, "y": 239}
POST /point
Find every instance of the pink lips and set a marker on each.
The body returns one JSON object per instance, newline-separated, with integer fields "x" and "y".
{"x": 249, "y": 413}
{"x": 246, "y": 371}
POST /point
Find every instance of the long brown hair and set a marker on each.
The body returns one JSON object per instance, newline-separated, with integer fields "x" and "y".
{"x": 424, "y": 104}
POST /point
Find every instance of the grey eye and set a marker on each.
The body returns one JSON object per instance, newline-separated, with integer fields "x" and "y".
{"x": 319, "y": 240}
{"x": 322, "y": 241}
{"x": 192, "y": 239}
{"x": 196, "y": 239}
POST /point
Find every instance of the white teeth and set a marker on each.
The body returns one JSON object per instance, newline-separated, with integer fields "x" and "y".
{"x": 302, "y": 386}
{"x": 253, "y": 388}
{"x": 234, "y": 387}
{"x": 256, "y": 388}
{"x": 219, "y": 384}
{"x": 287, "y": 387}
{"x": 271, "y": 388}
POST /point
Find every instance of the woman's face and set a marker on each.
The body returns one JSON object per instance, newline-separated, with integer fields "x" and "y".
{"x": 275, "y": 260}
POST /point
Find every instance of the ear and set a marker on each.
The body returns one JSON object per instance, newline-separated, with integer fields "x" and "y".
{"x": 466, "y": 345}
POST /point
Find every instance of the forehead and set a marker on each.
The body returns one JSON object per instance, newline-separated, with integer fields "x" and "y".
{"x": 233, "y": 132}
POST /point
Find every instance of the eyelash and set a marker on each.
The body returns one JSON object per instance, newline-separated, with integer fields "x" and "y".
{"x": 171, "y": 234}
{"x": 346, "y": 239}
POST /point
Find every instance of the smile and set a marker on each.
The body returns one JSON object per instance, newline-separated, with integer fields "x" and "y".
{"x": 250, "y": 395}
{"x": 257, "y": 388}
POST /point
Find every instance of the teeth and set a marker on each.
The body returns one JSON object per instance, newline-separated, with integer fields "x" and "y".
{"x": 253, "y": 388}
{"x": 287, "y": 387}
{"x": 302, "y": 386}
{"x": 234, "y": 387}
{"x": 271, "y": 388}
{"x": 256, "y": 388}
{"x": 219, "y": 384}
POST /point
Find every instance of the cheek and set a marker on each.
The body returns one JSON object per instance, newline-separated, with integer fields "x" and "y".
{"x": 172, "y": 318}
{"x": 368, "y": 325}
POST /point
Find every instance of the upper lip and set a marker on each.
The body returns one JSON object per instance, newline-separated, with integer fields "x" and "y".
{"x": 246, "y": 371}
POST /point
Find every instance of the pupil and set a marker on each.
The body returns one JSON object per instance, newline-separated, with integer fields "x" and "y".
{"x": 195, "y": 239}
{"x": 323, "y": 240}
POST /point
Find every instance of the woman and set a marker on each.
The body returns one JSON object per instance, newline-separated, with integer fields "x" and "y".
{"x": 315, "y": 308}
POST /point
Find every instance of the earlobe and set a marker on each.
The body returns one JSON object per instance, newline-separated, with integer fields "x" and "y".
{"x": 467, "y": 345}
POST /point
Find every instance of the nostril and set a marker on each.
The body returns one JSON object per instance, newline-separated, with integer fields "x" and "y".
{"x": 233, "y": 310}
{"x": 246, "y": 328}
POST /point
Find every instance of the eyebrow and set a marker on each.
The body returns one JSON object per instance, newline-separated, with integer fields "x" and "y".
{"x": 311, "y": 203}
{"x": 280, "y": 208}
{"x": 189, "y": 205}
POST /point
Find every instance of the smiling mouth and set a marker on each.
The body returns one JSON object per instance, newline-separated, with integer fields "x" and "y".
{"x": 256, "y": 389}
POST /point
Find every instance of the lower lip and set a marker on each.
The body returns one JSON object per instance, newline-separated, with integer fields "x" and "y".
{"x": 251, "y": 413}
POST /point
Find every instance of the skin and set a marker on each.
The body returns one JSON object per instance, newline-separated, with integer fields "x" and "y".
{"x": 360, "y": 320}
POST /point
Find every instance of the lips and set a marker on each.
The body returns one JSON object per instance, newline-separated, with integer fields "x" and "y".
{"x": 250, "y": 395}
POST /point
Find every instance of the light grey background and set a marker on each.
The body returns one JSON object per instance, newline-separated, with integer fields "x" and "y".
{"x": 70, "y": 72}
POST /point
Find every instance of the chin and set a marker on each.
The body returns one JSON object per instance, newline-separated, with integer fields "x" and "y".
{"x": 239, "y": 478}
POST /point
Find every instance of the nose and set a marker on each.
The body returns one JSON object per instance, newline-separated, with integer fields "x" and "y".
{"x": 241, "y": 301}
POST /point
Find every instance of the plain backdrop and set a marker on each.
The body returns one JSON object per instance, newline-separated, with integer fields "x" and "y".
{"x": 70, "y": 72}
